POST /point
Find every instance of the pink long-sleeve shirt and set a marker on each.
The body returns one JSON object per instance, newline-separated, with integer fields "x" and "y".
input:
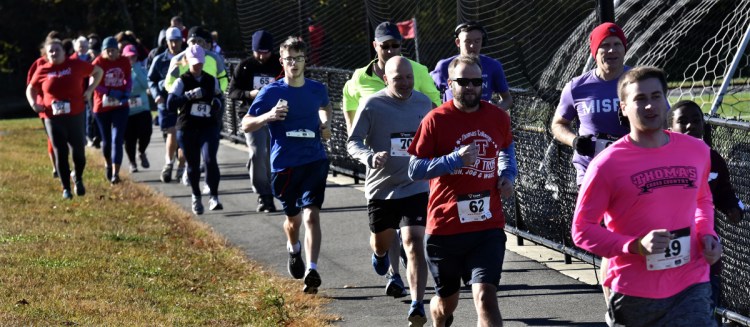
{"x": 636, "y": 190}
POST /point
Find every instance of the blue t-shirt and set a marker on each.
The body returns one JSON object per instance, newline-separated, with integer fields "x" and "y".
{"x": 493, "y": 77}
{"x": 295, "y": 140}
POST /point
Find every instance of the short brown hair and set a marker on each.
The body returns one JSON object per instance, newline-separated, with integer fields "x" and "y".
{"x": 463, "y": 59}
{"x": 293, "y": 43}
{"x": 639, "y": 74}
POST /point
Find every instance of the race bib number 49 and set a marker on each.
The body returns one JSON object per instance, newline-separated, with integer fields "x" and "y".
{"x": 400, "y": 142}
{"x": 200, "y": 110}
{"x": 260, "y": 81}
{"x": 474, "y": 207}
{"x": 676, "y": 254}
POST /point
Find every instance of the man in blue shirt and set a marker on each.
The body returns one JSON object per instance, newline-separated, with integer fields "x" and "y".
{"x": 297, "y": 112}
{"x": 470, "y": 37}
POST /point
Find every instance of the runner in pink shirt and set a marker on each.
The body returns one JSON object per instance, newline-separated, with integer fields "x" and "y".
{"x": 651, "y": 189}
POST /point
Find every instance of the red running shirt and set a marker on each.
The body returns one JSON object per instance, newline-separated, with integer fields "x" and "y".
{"x": 116, "y": 77}
{"x": 467, "y": 200}
{"x": 62, "y": 83}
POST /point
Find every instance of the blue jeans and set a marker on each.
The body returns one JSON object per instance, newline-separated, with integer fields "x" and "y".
{"x": 112, "y": 125}
{"x": 197, "y": 142}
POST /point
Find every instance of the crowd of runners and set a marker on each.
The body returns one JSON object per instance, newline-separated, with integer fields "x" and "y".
{"x": 439, "y": 153}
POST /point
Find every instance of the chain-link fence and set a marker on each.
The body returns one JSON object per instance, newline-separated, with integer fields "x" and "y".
{"x": 542, "y": 45}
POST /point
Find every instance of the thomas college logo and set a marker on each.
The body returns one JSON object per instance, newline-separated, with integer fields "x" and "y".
{"x": 648, "y": 180}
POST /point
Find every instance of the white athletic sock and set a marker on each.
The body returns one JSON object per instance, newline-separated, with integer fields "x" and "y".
{"x": 293, "y": 248}
{"x": 313, "y": 266}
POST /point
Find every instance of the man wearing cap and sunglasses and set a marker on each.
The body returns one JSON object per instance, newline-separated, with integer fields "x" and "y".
{"x": 367, "y": 80}
{"x": 214, "y": 65}
{"x": 252, "y": 74}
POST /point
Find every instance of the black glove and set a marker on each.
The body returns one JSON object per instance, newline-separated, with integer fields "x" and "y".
{"x": 584, "y": 145}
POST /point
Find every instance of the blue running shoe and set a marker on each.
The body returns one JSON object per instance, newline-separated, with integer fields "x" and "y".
{"x": 417, "y": 317}
{"x": 395, "y": 287}
{"x": 381, "y": 264}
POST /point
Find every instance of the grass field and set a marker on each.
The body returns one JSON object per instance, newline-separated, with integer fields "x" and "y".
{"x": 734, "y": 105}
{"x": 121, "y": 256}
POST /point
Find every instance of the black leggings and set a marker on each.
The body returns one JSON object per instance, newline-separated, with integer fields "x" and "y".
{"x": 64, "y": 131}
{"x": 137, "y": 134}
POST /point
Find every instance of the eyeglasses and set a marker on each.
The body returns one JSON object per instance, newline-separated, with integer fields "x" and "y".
{"x": 386, "y": 46}
{"x": 465, "y": 81}
{"x": 290, "y": 60}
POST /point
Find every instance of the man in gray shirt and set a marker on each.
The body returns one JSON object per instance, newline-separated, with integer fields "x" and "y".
{"x": 382, "y": 132}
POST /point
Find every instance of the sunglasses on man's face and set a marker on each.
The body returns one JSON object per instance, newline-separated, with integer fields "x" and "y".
{"x": 465, "y": 81}
{"x": 387, "y": 46}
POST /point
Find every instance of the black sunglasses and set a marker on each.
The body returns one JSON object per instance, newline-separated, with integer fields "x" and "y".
{"x": 385, "y": 46}
{"x": 466, "y": 81}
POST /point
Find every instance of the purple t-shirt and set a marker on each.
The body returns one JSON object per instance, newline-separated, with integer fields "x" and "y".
{"x": 594, "y": 101}
{"x": 493, "y": 76}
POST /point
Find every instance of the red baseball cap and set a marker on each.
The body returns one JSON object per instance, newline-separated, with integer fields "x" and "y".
{"x": 603, "y": 31}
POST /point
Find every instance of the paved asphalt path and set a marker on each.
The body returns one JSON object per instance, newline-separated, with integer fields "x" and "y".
{"x": 531, "y": 294}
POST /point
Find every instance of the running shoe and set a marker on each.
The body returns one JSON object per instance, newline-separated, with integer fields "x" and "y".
{"x": 54, "y": 173}
{"x": 296, "y": 266}
{"x": 108, "y": 173}
{"x": 197, "y": 206}
{"x": 266, "y": 204}
{"x": 381, "y": 264}
{"x": 416, "y": 317}
{"x": 66, "y": 194}
{"x": 144, "y": 160}
{"x": 133, "y": 167}
{"x": 395, "y": 287}
{"x": 182, "y": 176}
{"x": 166, "y": 173}
{"x": 79, "y": 188}
{"x": 312, "y": 282}
{"x": 115, "y": 180}
{"x": 214, "y": 204}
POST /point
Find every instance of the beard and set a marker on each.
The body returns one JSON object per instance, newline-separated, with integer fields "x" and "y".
{"x": 469, "y": 100}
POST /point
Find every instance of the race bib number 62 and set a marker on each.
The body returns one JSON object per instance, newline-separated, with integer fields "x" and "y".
{"x": 474, "y": 207}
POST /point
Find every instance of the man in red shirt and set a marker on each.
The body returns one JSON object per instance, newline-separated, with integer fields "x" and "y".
{"x": 464, "y": 215}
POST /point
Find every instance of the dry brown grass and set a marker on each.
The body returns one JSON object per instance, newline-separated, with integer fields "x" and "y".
{"x": 122, "y": 255}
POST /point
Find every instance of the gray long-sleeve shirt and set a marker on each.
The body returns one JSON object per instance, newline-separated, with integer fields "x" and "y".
{"x": 388, "y": 124}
